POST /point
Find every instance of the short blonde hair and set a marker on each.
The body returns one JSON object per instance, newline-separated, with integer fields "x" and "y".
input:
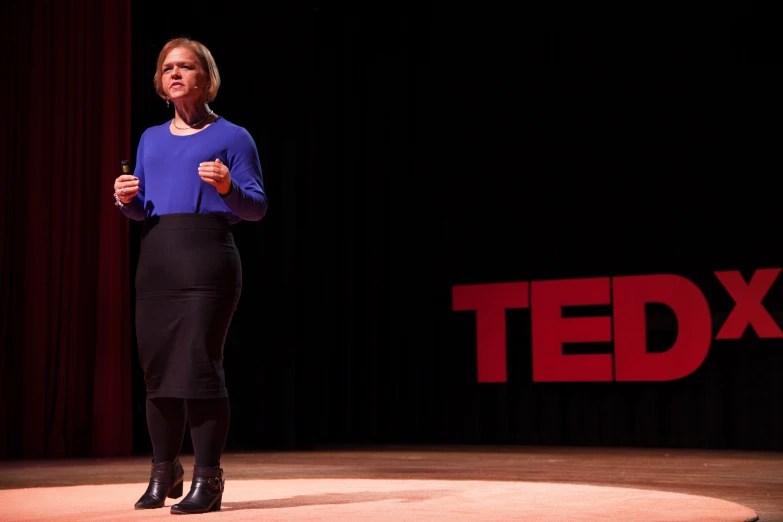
{"x": 206, "y": 61}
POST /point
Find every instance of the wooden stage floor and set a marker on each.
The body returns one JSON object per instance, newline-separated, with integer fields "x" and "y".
{"x": 752, "y": 479}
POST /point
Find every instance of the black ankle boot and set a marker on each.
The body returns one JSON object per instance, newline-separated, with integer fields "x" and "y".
{"x": 165, "y": 481}
{"x": 206, "y": 492}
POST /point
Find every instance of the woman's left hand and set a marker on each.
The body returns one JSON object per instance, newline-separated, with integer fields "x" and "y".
{"x": 216, "y": 174}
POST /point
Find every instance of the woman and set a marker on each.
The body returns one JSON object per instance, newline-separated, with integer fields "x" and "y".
{"x": 195, "y": 175}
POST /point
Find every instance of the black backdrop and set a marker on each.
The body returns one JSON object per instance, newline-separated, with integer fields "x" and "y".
{"x": 407, "y": 148}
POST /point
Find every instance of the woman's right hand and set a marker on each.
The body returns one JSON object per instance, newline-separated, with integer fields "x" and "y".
{"x": 126, "y": 187}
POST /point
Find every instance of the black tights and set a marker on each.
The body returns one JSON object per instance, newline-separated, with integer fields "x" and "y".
{"x": 208, "y": 419}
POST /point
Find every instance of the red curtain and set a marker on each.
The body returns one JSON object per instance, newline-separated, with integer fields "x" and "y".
{"x": 64, "y": 316}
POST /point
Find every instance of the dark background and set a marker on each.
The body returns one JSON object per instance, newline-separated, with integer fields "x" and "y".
{"x": 407, "y": 148}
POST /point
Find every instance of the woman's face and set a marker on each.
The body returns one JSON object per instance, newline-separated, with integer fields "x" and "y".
{"x": 183, "y": 76}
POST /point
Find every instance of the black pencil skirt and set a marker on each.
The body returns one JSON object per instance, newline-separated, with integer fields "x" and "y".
{"x": 188, "y": 284}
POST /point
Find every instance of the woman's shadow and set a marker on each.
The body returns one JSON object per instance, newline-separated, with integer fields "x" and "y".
{"x": 324, "y": 499}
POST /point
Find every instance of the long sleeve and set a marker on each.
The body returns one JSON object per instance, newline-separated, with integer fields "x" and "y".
{"x": 247, "y": 198}
{"x": 135, "y": 209}
{"x": 167, "y": 168}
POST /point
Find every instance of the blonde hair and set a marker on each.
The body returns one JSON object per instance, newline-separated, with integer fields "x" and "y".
{"x": 206, "y": 61}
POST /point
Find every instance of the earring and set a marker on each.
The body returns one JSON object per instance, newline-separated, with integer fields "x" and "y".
{"x": 167, "y": 101}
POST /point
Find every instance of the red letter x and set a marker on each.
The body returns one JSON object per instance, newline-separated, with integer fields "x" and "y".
{"x": 748, "y": 311}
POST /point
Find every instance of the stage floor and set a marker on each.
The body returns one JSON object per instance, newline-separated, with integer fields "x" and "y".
{"x": 751, "y": 479}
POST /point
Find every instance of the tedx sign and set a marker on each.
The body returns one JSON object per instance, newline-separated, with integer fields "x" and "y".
{"x": 626, "y": 328}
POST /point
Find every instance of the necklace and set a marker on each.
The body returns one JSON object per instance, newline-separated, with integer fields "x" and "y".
{"x": 210, "y": 113}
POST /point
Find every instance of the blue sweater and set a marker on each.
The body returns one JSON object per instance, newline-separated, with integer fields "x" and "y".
{"x": 167, "y": 168}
